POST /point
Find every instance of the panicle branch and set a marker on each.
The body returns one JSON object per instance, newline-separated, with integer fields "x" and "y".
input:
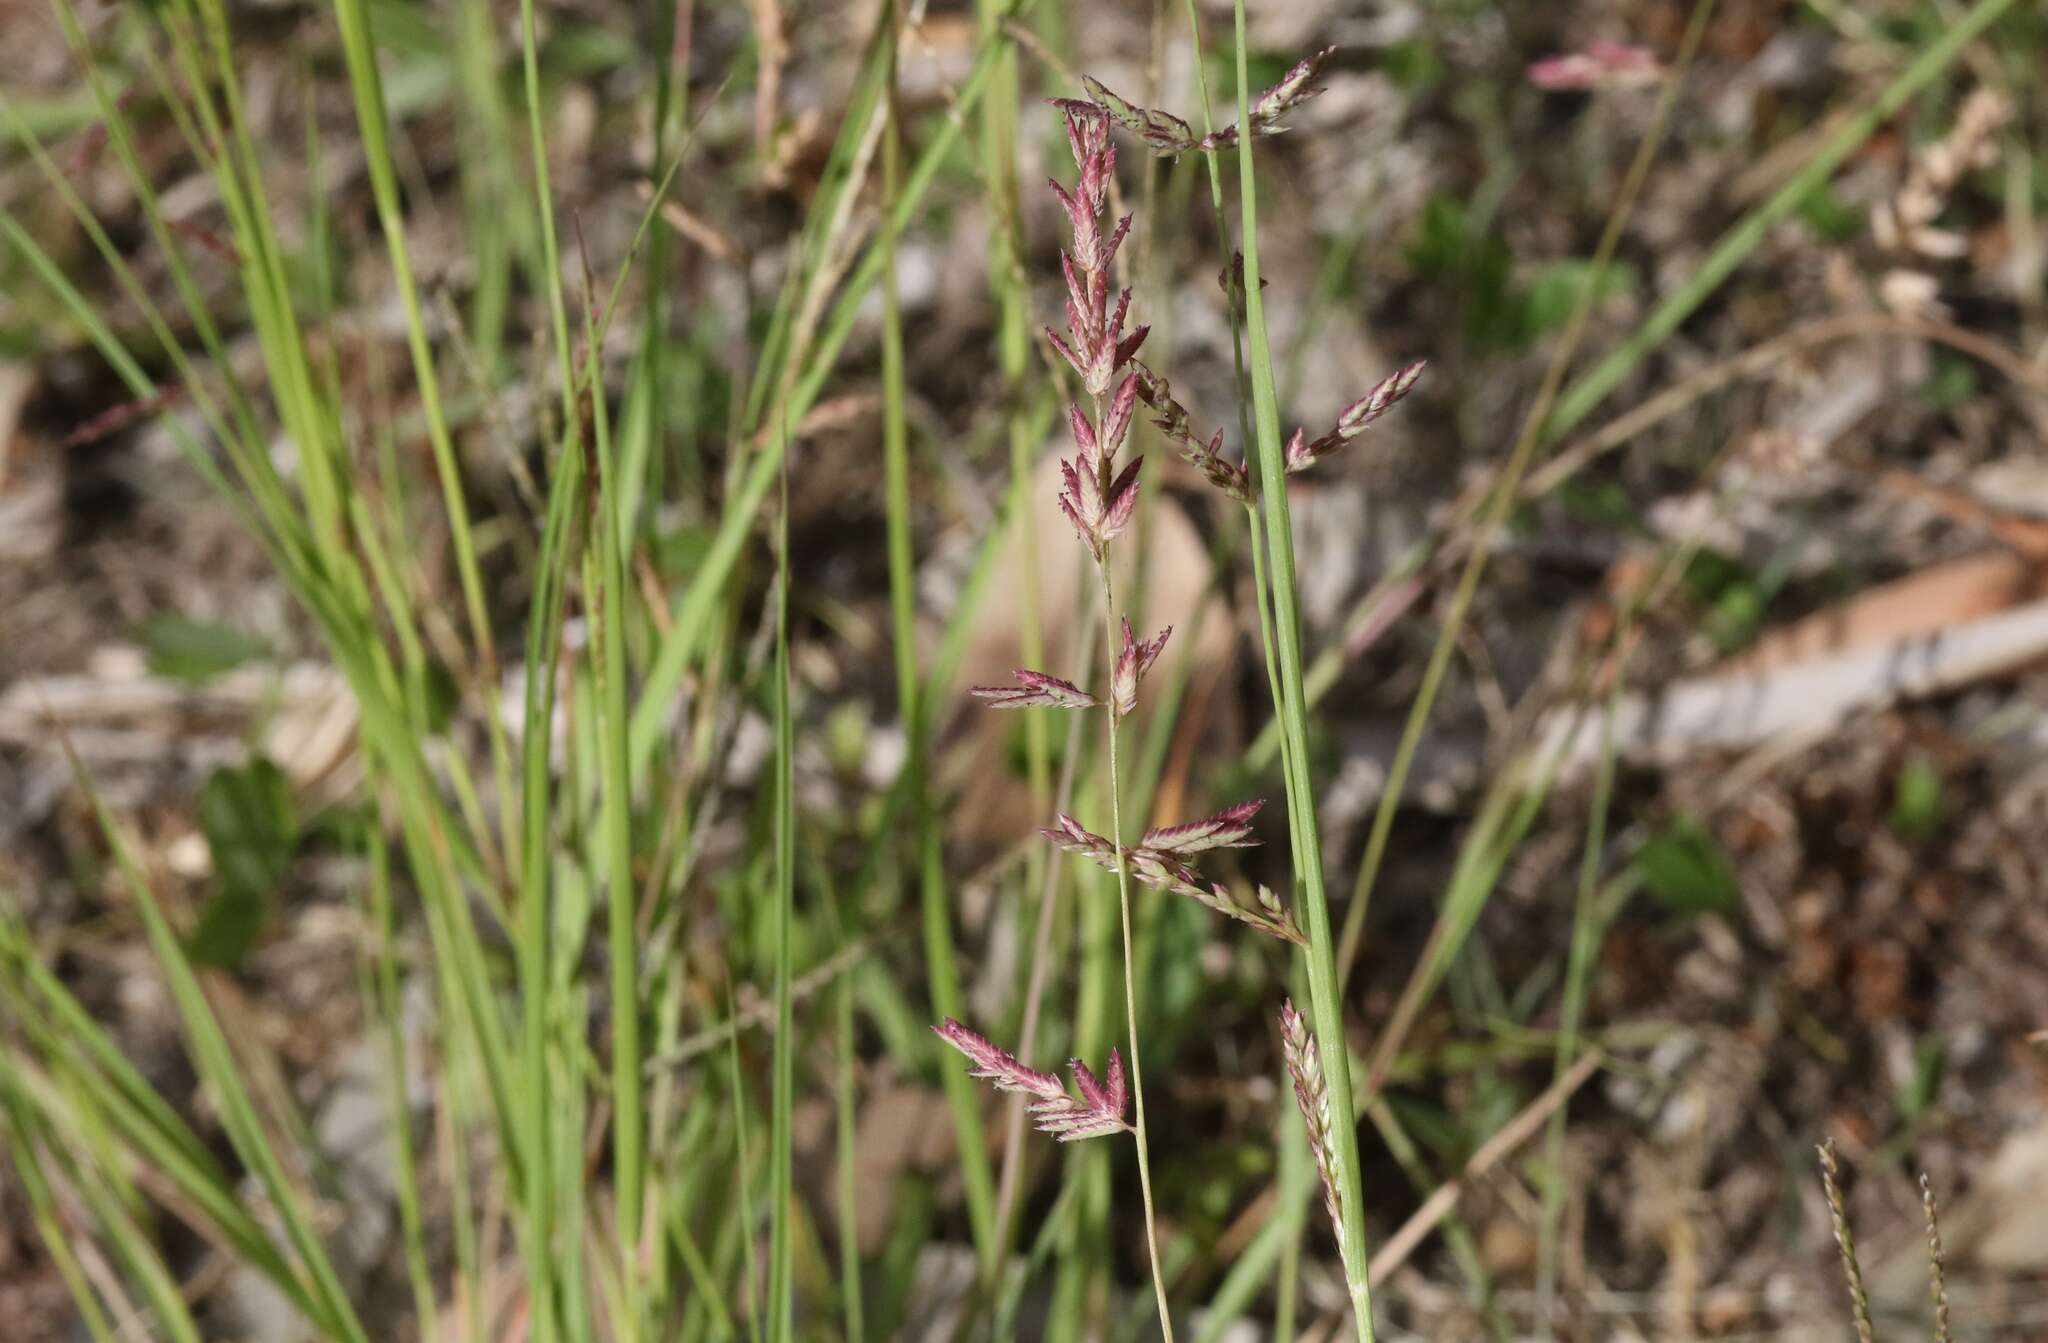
{"x": 1035, "y": 689}
{"x": 1160, "y": 860}
{"x": 1168, "y": 136}
{"x": 1170, "y": 417}
{"x": 1355, "y": 417}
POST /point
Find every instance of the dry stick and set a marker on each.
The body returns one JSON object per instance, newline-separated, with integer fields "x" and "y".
{"x": 1397, "y": 1247}
{"x": 1504, "y": 495}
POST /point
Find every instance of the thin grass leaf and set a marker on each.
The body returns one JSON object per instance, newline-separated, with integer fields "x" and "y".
{"x": 216, "y": 1063}
{"x": 1321, "y": 950}
{"x": 690, "y": 621}
{"x": 781, "y": 1139}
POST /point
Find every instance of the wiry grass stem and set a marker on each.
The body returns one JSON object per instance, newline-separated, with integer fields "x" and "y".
{"x": 1123, "y": 900}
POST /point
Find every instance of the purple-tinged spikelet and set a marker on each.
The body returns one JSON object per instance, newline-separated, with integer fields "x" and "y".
{"x": 1162, "y": 132}
{"x": 992, "y": 1063}
{"x": 1099, "y": 514}
{"x": 1161, "y": 860}
{"x": 1035, "y": 690}
{"x": 1168, "y": 136}
{"x": 1312, "y": 1096}
{"x": 1296, "y": 87}
{"x": 1070, "y": 835}
{"x": 1098, "y": 498}
{"x": 1356, "y": 417}
{"x": 1230, "y": 828}
{"x": 1132, "y": 663}
{"x": 1099, "y": 1111}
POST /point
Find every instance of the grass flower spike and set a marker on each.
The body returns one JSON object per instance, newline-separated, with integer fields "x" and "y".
{"x": 1095, "y": 343}
{"x": 1355, "y": 418}
{"x": 1132, "y": 663}
{"x": 1167, "y": 135}
{"x": 1312, "y": 1095}
{"x": 1161, "y": 859}
{"x": 1098, "y": 1112}
{"x": 1035, "y": 690}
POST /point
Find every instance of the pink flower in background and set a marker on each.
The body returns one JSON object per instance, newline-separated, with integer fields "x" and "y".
{"x": 1602, "y": 65}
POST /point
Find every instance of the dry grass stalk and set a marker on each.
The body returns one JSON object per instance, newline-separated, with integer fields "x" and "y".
{"x": 1845, "y": 1241}
{"x": 1937, "y": 1273}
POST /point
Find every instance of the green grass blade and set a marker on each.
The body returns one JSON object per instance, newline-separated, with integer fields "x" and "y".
{"x": 941, "y": 965}
{"x": 359, "y": 46}
{"x": 1321, "y": 951}
{"x": 781, "y": 1284}
{"x": 216, "y": 1063}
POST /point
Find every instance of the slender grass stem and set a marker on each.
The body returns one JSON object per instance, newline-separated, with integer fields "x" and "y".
{"x": 1262, "y": 587}
{"x": 1123, "y": 899}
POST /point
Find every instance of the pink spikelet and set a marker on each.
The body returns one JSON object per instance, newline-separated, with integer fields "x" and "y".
{"x": 1070, "y": 836}
{"x": 1168, "y": 136}
{"x": 1161, "y": 860}
{"x": 1602, "y": 65}
{"x": 1356, "y": 417}
{"x": 992, "y": 1063}
{"x": 1098, "y": 1112}
{"x": 1098, "y": 496}
{"x": 1035, "y": 690}
{"x": 1312, "y": 1097}
{"x": 1132, "y": 663}
{"x": 1230, "y": 828}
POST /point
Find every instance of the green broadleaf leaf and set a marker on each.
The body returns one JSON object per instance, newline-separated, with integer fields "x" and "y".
{"x": 1684, "y": 869}
{"x": 252, "y": 829}
{"x": 194, "y": 650}
{"x": 1916, "y": 803}
{"x": 228, "y": 927}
